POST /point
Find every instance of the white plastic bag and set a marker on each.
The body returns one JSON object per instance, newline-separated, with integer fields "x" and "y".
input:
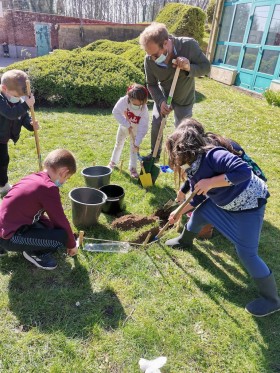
{"x": 152, "y": 366}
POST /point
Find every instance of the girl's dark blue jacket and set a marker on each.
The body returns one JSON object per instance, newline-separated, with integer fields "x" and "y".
{"x": 219, "y": 161}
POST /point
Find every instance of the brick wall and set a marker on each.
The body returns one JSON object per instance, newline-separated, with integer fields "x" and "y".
{"x": 71, "y": 36}
{"x": 18, "y": 29}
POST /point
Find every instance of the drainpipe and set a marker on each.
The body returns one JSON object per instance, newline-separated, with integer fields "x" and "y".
{"x": 214, "y": 29}
{"x": 14, "y": 31}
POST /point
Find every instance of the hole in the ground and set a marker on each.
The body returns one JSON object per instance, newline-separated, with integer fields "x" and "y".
{"x": 127, "y": 222}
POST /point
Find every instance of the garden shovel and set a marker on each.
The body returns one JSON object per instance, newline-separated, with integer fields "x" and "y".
{"x": 180, "y": 208}
{"x": 145, "y": 179}
{"x": 149, "y": 165}
{"x": 32, "y": 112}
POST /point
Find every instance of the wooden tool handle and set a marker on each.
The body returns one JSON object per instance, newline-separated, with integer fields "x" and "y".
{"x": 164, "y": 118}
{"x": 81, "y": 238}
{"x": 180, "y": 208}
{"x": 173, "y": 85}
{"x": 159, "y": 136}
{"x": 32, "y": 112}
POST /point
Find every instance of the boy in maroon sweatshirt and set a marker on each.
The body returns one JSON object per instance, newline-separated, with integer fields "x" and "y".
{"x": 23, "y": 223}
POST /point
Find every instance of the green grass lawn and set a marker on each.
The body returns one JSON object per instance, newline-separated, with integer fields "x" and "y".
{"x": 186, "y": 305}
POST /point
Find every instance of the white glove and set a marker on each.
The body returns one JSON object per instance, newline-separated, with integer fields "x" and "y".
{"x": 152, "y": 366}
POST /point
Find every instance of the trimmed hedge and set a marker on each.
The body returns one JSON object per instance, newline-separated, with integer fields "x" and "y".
{"x": 136, "y": 56}
{"x": 210, "y": 10}
{"x": 129, "y": 50}
{"x": 183, "y": 20}
{"x": 115, "y": 47}
{"x": 80, "y": 78}
{"x": 272, "y": 97}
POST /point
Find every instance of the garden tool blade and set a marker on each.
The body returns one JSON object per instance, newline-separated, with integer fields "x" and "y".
{"x": 145, "y": 178}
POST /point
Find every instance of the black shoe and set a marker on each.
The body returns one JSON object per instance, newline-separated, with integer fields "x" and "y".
{"x": 269, "y": 301}
{"x": 184, "y": 241}
{"x": 43, "y": 261}
{"x": 149, "y": 157}
{"x": 3, "y": 252}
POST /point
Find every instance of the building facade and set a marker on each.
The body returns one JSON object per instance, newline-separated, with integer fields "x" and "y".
{"x": 245, "y": 44}
{"x": 28, "y": 34}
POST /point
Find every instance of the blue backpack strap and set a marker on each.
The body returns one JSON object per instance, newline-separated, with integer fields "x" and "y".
{"x": 245, "y": 157}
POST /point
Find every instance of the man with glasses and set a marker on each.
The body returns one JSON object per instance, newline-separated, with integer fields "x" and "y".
{"x": 162, "y": 49}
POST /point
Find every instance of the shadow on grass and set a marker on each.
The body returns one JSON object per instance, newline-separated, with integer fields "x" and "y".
{"x": 74, "y": 110}
{"x": 232, "y": 291}
{"x": 100, "y": 231}
{"x": 199, "y": 97}
{"x": 60, "y": 300}
{"x": 160, "y": 195}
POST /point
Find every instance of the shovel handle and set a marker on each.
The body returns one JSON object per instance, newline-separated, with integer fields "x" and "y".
{"x": 164, "y": 118}
{"x": 180, "y": 208}
{"x": 159, "y": 136}
{"x": 138, "y": 155}
{"x": 81, "y": 238}
{"x": 32, "y": 112}
{"x": 173, "y": 85}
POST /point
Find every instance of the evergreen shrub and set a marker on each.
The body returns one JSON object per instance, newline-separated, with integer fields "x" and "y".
{"x": 210, "y": 10}
{"x": 115, "y": 47}
{"x": 272, "y": 97}
{"x": 80, "y": 78}
{"x": 183, "y": 20}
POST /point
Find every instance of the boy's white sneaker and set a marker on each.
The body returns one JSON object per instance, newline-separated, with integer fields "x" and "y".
{"x": 4, "y": 190}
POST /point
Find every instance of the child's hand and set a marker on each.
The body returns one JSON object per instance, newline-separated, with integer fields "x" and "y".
{"x": 202, "y": 186}
{"x": 126, "y": 116}
{"x": 136, "y": 149}
{"x": 30, "y": 100}
{"x": 171, "y": 218}
{"x": 35, "y": 125}
{"x": 72, "y": 252}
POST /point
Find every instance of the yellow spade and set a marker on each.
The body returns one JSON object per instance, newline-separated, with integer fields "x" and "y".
{"x": 145, "y": 179}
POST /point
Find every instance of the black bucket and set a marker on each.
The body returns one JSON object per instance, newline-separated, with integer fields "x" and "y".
{"x": 97, "y": 176}
{"x": 115, "y": 199}
{"x": 86, "y": 205}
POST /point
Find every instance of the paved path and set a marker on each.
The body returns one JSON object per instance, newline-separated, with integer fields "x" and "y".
{"x": 6, "y": 61}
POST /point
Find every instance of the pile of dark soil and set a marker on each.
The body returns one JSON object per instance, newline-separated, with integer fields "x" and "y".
{"x": 127, "y": 222}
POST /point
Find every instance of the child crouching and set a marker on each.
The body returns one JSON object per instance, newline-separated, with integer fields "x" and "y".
{"x": 24, "y": 226}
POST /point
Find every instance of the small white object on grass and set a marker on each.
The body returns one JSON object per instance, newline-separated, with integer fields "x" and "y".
{"x": 152, "y": 366}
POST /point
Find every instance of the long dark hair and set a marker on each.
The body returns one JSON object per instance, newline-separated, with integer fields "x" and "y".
{"x": 189, "y": 140}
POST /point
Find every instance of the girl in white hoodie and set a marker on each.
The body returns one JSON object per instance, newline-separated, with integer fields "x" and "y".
{"x": 131, "y": 112}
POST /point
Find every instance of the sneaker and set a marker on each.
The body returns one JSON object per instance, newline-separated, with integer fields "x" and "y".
{"x": 43, "y": 261}
{"x": 134, "y": 173}
{"x": 112, "y": 165}
{"x": 4, "y": 190}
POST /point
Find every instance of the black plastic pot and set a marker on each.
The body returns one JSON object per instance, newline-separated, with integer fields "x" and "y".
{"x": 97, "y": 176}
{"x": 115, "y": 199}
{"x": 86, "y": 205}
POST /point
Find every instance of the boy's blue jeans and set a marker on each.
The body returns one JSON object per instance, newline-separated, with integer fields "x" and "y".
{"x": 241, "y": 228}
